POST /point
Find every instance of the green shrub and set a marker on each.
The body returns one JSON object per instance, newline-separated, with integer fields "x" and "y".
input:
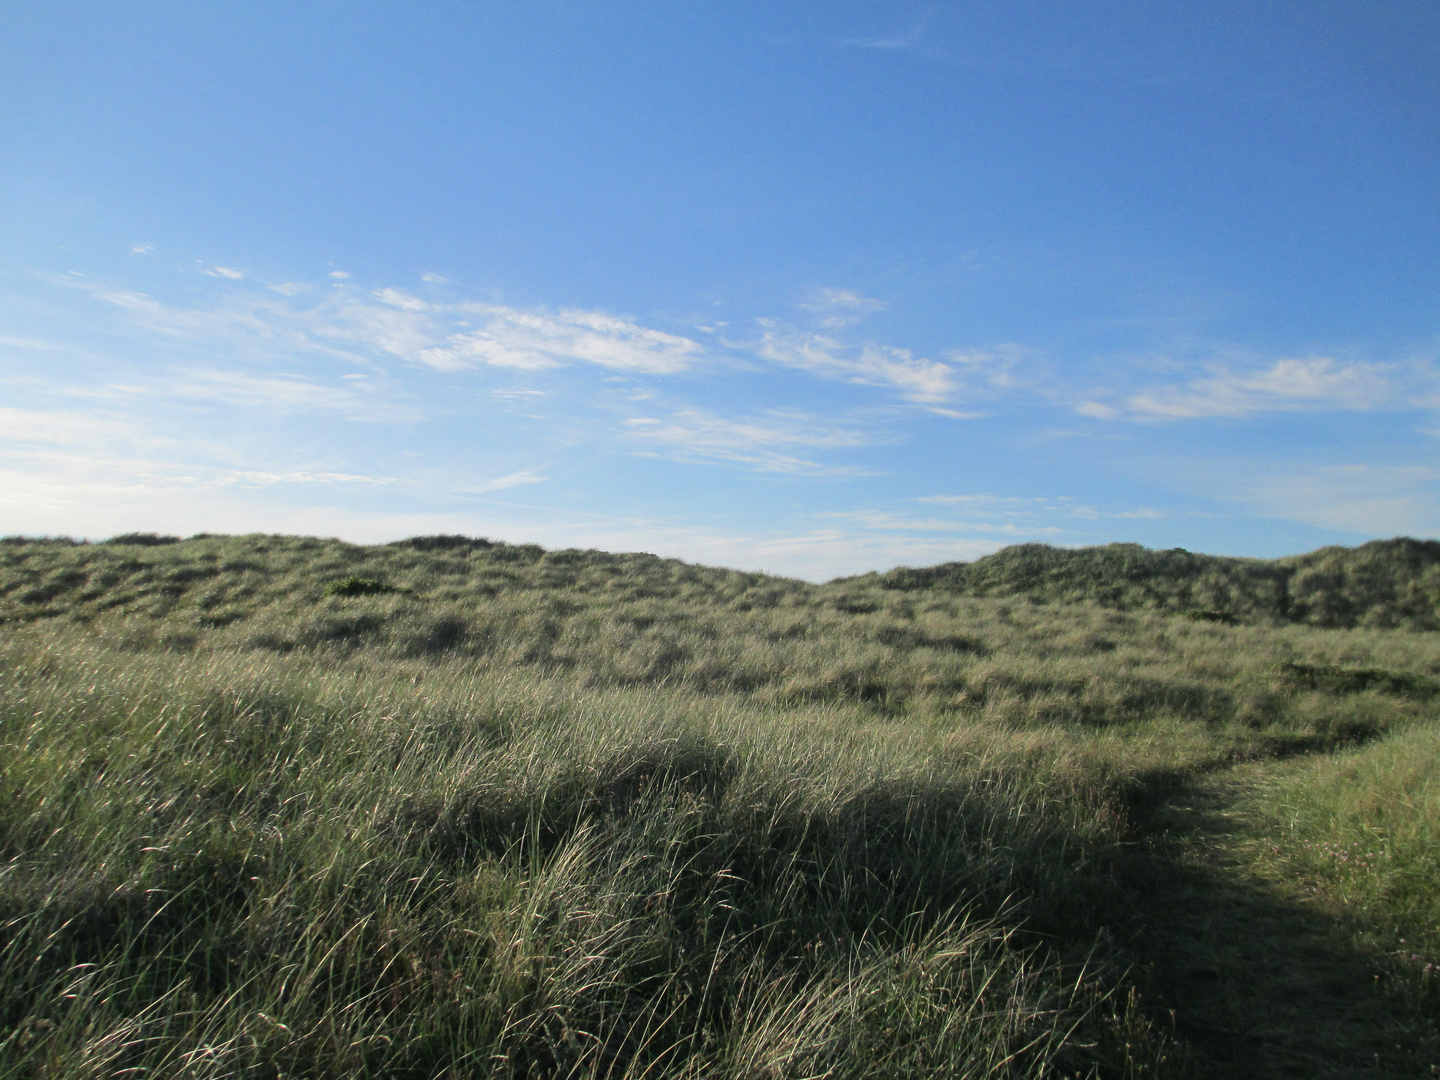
{"x": 1225, "y": 618}
{"x": 143, "y": 539}
{"x": 357, "y": 586}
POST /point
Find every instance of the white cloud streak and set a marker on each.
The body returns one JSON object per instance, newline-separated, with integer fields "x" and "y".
{"x": 288, "y": 393}
{"x": 918, "y": 380}
{"x": 767, "y": 443}
{"x": 1019, "y": 515}
{"x": 530, "y": 341}
{"x": 886, "y": 522}
{"x": 285, "y": 321}
{"x": 288, "y": 320}
{"x": 445, "y": 337}
{"x": 501, "y": 483}
{"x": 1286, "y": 386}
{"x": 840, "y": 307}
{"x": 911, "y": 39}
{"x": 261, "y": 479}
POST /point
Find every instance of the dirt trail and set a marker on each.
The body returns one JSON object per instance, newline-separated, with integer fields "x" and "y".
{"x": 1260, "y": 983}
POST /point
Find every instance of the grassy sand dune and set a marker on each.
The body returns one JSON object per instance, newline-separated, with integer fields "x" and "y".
{"x": 282, "y": 806}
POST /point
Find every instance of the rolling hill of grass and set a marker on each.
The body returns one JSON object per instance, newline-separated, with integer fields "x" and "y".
{"x": 280, "y": 806}
{"x": 1383, "y": 584}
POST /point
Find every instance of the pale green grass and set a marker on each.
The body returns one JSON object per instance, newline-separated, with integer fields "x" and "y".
{"x": 238, "y": 864}
{"x": 569, "y": 814}
{"x": 1360, "y": 831}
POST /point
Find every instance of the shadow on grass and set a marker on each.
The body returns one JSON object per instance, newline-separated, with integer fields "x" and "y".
{"x": 705, "y": 871}
{"x": 1250, "y": 982}
{"x": 1255, "y": 983}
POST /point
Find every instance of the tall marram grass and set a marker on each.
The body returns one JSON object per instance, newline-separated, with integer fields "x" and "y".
{"x": 241, "y": 865}
{"x": 524, "y": 814}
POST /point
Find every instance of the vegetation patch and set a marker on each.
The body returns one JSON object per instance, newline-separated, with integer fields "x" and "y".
{"x": 358, "y": 586}
{"x": 1225, "y": 618}
{"x": 1333, "y": 679}
{"x": 142, "y": 539}
{"x": 1384, "y": 584}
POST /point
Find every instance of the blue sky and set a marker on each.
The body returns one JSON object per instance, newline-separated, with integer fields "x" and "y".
{"x": 811, "y": 288}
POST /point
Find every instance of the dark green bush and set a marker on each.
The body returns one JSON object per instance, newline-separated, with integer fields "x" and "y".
{"x": 143, "y": 539}
{"x": 358, "y": 586}
{"x": 1222, "y": 617}
{"x": 445, "y": 543}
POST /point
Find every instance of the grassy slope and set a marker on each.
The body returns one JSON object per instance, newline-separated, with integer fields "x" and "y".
{"x": 1382, "y": 584}
{"x": 569, "y": 813}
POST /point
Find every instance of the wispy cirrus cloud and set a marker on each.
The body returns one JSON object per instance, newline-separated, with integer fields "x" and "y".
{"x": 836, "y": 308}
{"x": 261, "y": 479}
{"x": 287, "y": 393}
{"x": 507, "y": 337}
{"x": 1020, "y": 514}
{"x": 896, "y": 523}
{"x": 288, "y": 320}
{"x": 1287, "y": 385}
{"x": 917, "y": 379}
{"x": 771, "y": 442}
{"x": 911, "y": 38}
{"x": 501, "y": 483}
{"x": 293, "y": 318}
